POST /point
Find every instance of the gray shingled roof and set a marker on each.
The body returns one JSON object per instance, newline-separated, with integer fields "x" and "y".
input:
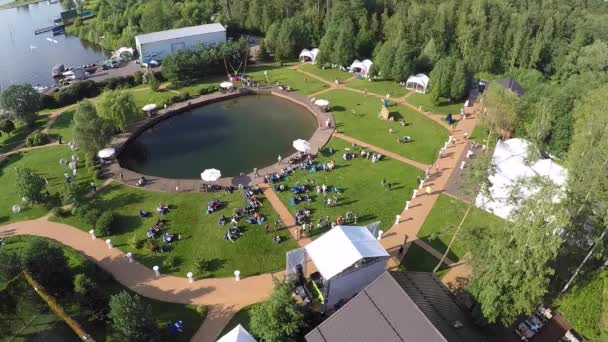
{"x": 179, "y": 33}
{"x": 511, "y": 84}
{"x": 386, "y": 311}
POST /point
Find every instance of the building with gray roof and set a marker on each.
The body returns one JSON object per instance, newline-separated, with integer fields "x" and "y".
{"x": 158, "y": 45}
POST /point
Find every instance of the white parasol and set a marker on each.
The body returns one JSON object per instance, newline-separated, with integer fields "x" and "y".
{"x": 322, "y": 103}
{"x": 226, "y": 85}
{"x": 301, "y": 145}
{"x": 211, "y": 175}
{"x": 149, "y": 107}
{"x": 106, "y": 153}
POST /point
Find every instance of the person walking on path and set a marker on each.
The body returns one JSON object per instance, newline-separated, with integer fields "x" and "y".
{"x": 255, "y": 172}
{"x": 122, "y": 177}
{"x": 94, "y": 186}
{"x": 279, "y": 158}
{"x": 428, "y": 190}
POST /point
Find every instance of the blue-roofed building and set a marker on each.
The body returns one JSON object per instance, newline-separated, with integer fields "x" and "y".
{"x": 158, "y": 45}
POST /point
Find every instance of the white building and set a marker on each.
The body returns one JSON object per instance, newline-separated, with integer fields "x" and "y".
{"x": 158, "y": 45}
{"x": 347, "y": 258}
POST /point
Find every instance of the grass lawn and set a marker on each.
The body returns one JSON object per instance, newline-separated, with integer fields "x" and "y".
{"x": 418, "y": 260}
{"x": 45, "y": 162}
{"x": 195, "y": 88}
{"x": 359, "y": 183}
{"x": 583, "y": 308}
{"x": 253, "y": 253}
{"x": 379, "y": 87}
{"x": 443, "y": 220}
{"x": 144, "y": 97}
{"x": 242, "y": 317}
{"x": 163, "y": 311}
{"x": 63, "y": 126}
{"x": 443, "y": 108}
{"x": 287, "y": 77}
{"x": 328, "y": 74}
{"x": 357, "y": 116}
{"x": 9, "y": 142}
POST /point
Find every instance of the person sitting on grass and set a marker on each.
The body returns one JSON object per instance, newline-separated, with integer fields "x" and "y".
{"x": 168, "y": 237}
{"x": 142, "y": 181}
{"x": 276, "y": 239}
{"x": 223, "y": 220}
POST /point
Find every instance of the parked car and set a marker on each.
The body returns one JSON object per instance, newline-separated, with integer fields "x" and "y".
{"x": 525, "y": 330}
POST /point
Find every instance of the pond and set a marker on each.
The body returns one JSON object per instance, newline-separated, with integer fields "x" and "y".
{"x": 233, "y": 136}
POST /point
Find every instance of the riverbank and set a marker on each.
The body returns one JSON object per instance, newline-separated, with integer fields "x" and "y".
{"x": 18, "y": 3}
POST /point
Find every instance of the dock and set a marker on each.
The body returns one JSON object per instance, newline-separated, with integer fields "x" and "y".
{"x": 55, "y": 28}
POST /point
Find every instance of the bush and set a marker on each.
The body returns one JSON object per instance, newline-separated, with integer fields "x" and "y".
{"x": 59, "y": 212}
{"x": 169, "y": 262}
{"x": 72, "y": 94}
{"x": 202, "y": 91}
{"x": 151, "y": 245}
{"x": 87, "y": 213}
{"x": 134, "y": 242}
{"x": 138, "y": 77}
{"x": 103, "y": 226}
{"x": 98, "y": 174}
{"x": 175, "y": 99}
{"x": 36, "y": 139}
{"x": 185, "y": 96}
{"x": 48, "y": 101}
{"x": 201, "y": 265}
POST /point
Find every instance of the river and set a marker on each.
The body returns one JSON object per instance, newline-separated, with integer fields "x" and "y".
{"x": 27, "y": 58}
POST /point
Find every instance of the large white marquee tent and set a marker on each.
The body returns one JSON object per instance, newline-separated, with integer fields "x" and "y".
{"x": 309, "y": 55}
{"x": 510, "y": 160}
{"x": 361, "y": 67}
{"x": 418, "y": 83}
{"x": 238, "y": 334}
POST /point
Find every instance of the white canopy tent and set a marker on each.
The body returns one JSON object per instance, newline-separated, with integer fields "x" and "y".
{"x": 211, "y": 175}
{"x": 226, "y": 85}
{"x": 301, "y": 145}
{"x": 124, "y": 53}
{"x": 238, "y": 334}
{"x": 510, "y": 160}
{"x": 106, "y": 153}
{"x": 341, "y": 248}
{"x": 309, "y": 55}
{"x": 418, "y": 83}
{"x": 361, "y": 67}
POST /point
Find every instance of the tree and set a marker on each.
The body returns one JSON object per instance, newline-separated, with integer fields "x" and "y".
{"x": 47, "y": 264}
{"x": 30, "y": 186}
{"x": 119, "y": 108}
{"x": 499, "y": 110}
{"x": 511, "y": 266}
{"x": 279, "y": 318}
{"x": 6, "y": 126}
{"x": 91, "y": 132}
{"x": 10, "y": 265}
{"x": 20, "y": 102}
{"x": 91, "y": 297}
{"x": 132, "y": 319}
{"x": 459, "y": 86}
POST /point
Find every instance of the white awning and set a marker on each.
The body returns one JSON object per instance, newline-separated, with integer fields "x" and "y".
{"x": 510, "y": 160}
{"x": 238, "y": 334}
{"x": 418, "y": 82}
{"x": 322, "y": 103}
{"x": 362, "y": 67}
{"x": 310, "y": 54}
{"x": 342, "y": 247}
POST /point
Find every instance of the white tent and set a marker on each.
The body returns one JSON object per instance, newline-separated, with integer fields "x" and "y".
{"x": 418, "y": 83}
{"x": 510, "y": 160}
{"x": 341, "y": 248}
{"x": 361, "y": 67}
{"x": 309, "y": 55}
{"x": 238, "y": 334}
{"x": 124, "y": 53}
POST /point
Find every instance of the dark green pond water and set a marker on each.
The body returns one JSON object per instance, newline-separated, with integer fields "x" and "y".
{"x": 233, "y": 136}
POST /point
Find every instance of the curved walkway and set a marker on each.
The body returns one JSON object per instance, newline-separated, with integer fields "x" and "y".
{"x": 224, "y": 296}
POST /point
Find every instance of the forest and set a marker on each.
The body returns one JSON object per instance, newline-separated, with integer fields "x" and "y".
{"x": 556, "y": 49}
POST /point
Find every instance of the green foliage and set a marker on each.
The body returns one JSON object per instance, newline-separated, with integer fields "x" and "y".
{"x": 47, "y": 264}
{"x": 91, "y": 132}
{"x": 10, "y": 265}
{"x": 187, "y": 66}
{"x": 119, "y": 108}
{"x": 499, "y": 113}
{"x": 59, "y": 212}
{"x": 338, "y": 45}
{"x": 201, "y": 265}
{"x": 30, "y": 186}
{"x": 132, "y": 319}
{"x": 92, "y": 298}
{"x": 286, "y": 38}
{"x": 395, "y": 60}
{"x": 20, "y": 102}
{"x": 138, "y": 77}
{"x": 449, "y": 79}
{"x": 169, "y": 262}
{"x": 37, "y": 138}
{"x": 6, "y": 126}
{"x": 279, "y": 318}
{"x": 512, "y": 265}
{"x": 103, "y": 225}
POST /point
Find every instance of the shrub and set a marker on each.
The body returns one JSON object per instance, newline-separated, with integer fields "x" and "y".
{"x": 98, "y": 174}
{"x": 59, "y": 212}
{"x": 138, "y": 77}
{"x": 103, "y": 225}
{"x": 133, "y": 241}
{"x": 175, "y": 99}
{"x": 202, "y": 91}
{"x": 201, "y": 265}
{"x": 151, "y": 245}
{"x": 169, "y": 262}
{"x": 36, "y": 139}
{"x": 48, "y": 101}
{"x": 184, "y": 96}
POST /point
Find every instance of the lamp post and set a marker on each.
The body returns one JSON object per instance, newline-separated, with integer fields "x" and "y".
{"x": 156, "y": 271}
